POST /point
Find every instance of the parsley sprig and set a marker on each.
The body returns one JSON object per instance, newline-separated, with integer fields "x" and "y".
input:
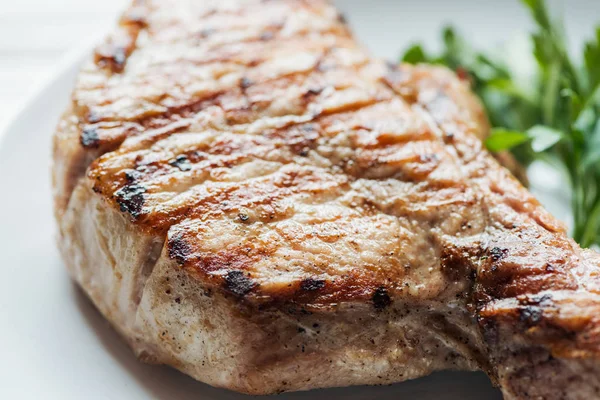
{"x": 552, "y": 115}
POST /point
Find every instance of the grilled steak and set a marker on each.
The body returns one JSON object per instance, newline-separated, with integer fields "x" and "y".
{"x": 252, "y": 199}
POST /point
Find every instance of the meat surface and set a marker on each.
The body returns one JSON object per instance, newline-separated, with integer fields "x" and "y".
{"x": 249, "y": 197}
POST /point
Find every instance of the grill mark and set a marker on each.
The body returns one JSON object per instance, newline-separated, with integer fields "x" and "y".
{"x": 349, "y": 108}
{"x": 263, "y": 194}
{"x": 179, "y": 249}
{"x": 506, "y": 277}
{"x": 137, "y": 168}
{"x": 200, "y": 174}
{"x": 154, "y": 127}
{"x": 230, "y": 266}
{"x": 114, "y": 52}
{"x": 131, "y": 199}
{"x": 238, "y": 283}
{"x": 181, "y": 162}
{"x": 270, "y": 35}
{"x": 352, "y": 286}
{"x": 539, "y": 317}
{"x": 106, "y": 135}
{"x": 409, "y": 162}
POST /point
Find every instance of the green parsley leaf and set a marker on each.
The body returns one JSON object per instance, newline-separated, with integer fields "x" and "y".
{"x": 414, "y": 55}
{"x": 502, "y": 139}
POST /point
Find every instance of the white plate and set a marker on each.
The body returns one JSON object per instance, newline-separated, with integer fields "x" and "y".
{"x": 56, "y": 346}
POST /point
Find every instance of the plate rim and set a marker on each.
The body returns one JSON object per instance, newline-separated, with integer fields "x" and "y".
{"x": 71, "y": 57}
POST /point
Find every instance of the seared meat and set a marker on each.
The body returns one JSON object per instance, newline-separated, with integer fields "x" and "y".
{"x": 250, "y": 198}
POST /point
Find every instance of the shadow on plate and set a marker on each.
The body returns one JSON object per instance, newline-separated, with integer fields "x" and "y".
{"x": 165, "y": 383}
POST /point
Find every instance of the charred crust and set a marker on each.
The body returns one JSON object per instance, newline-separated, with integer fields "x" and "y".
{"x": 113, "y": 58}
{"x": 113, "y": 54}
{"x": 243, "y": 217}
{"x": 245, "y": 83}
{"x": 532, "y": 308}
{"x": 89, "y": 138}
{"x": 93, "y": 117}
{"x": 181, "y": 162}
{"x": 131, "y": 175}
{"x": 300, "y": 139}
{"x": 497, "y": 254}
{"x": 310, "y": 284}
{"x": 238, "y": 283}
{"x": 131, "y": 199}
{"x": 381, "y": 299}
{"x": 531, "y": 315}
{"x": 179, "y": 249}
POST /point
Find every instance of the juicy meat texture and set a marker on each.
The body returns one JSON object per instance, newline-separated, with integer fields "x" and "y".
{"x": 251, "y": 198}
